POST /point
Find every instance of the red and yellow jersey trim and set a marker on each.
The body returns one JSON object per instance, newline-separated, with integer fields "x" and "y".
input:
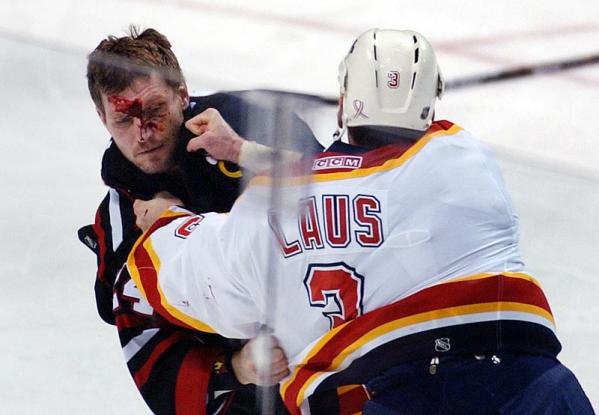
{"x": 144, "y": 267}
{"x": 375, "y": 161}
{"x": 464, "y": 300}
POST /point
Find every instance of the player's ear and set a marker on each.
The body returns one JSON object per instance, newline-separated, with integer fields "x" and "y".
{"x": 183, "y": 95}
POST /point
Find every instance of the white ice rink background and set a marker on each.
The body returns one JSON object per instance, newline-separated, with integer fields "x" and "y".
{"x": 57, "y": 357}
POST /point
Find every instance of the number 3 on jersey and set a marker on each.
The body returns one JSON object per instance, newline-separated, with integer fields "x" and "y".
{"x": 336, "y": 288}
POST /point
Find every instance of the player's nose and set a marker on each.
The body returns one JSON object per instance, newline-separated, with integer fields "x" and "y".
{"x": 145, "y": 130}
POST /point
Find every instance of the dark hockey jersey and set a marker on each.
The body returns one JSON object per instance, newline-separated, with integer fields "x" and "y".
{"x": 177, "y": 371}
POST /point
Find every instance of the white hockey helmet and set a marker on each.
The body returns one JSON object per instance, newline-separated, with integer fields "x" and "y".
{"x": 390, "y": 78}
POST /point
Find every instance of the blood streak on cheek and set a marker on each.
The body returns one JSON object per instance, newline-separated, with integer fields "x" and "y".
{"x": 133, "y": 108}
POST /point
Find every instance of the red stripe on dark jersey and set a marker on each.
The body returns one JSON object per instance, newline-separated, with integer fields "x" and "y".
{"x": 128, "y": 321}
{"x": 142, "y": 375}
{"x": 192, "y": 381}
{"x": 99, "y": 230}
{"x": 224, "y": 409}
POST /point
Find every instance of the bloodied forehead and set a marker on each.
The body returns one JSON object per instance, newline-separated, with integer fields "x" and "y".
{"x": 126, "y": 106}
{"x": 151, "y": 118}
{"x": 144, "y": 93}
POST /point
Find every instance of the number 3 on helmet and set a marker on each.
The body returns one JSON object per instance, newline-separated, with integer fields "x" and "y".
{"x": 390, "y": 78}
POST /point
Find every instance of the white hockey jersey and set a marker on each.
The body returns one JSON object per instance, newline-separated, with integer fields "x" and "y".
{"x": 392, "y": 252}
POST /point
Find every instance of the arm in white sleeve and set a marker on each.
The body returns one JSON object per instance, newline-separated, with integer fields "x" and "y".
{"x": 182, "y": 269}
{"x": 256, "y": 157}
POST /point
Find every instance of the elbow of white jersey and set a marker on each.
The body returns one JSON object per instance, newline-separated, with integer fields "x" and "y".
{"x": 178, "y": 266}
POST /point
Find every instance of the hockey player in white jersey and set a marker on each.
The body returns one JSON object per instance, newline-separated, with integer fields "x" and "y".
{"x": 402, "y": 287}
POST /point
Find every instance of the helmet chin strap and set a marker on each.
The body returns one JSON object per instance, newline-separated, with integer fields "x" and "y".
{"x": 338, "y": 134}
{"x": 340, "y": 131}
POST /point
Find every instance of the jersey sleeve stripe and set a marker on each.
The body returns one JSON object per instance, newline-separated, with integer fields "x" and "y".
{"x": 166, "y": 308}
{"x": 143, "y": 374}
{"x": 144, "y": 266}
{"x": 116, "y": 224}
{"x": 480, "y": 299}
{"x": 136, "y": 343}
{"x": 99, "y": 230}
{"x": 135, "y": 265}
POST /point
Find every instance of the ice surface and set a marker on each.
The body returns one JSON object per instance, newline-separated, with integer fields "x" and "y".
{"x": 58, "y": 357}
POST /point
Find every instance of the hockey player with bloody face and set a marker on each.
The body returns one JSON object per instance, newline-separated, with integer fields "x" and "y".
{"x": 141, "y": 97}
{"x": 144, "y": 121}
{"x": 403, "y": 289}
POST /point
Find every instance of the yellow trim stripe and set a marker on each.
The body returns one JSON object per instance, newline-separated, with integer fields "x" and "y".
{"x": 172, "y": 310}
{"x": 325, "y": 339}
{"x": 387, "y": 165}
{"x": 404, "y": 322}
{"x": 134, "y": 271}
{"x": 169, "y": 213}
{"x": 348, "y": 388}
{"x": 519, "y": 275}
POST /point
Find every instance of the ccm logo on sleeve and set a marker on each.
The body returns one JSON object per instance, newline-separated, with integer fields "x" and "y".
{"x": 187, "y": 227}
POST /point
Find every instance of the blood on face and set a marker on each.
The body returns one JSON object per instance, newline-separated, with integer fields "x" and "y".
{"x": 134, "y": 108}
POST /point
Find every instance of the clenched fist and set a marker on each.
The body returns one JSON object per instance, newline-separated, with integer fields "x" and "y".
{"x": 214, "y": 135}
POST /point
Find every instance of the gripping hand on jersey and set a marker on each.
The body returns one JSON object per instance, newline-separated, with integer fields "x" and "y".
{"x": 148, "y": 211}
{"x": 246, "y": 368}
{"x": 214, "y": 135}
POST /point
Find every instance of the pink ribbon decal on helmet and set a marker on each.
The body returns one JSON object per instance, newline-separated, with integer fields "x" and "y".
{"x": 359, "y": 107}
